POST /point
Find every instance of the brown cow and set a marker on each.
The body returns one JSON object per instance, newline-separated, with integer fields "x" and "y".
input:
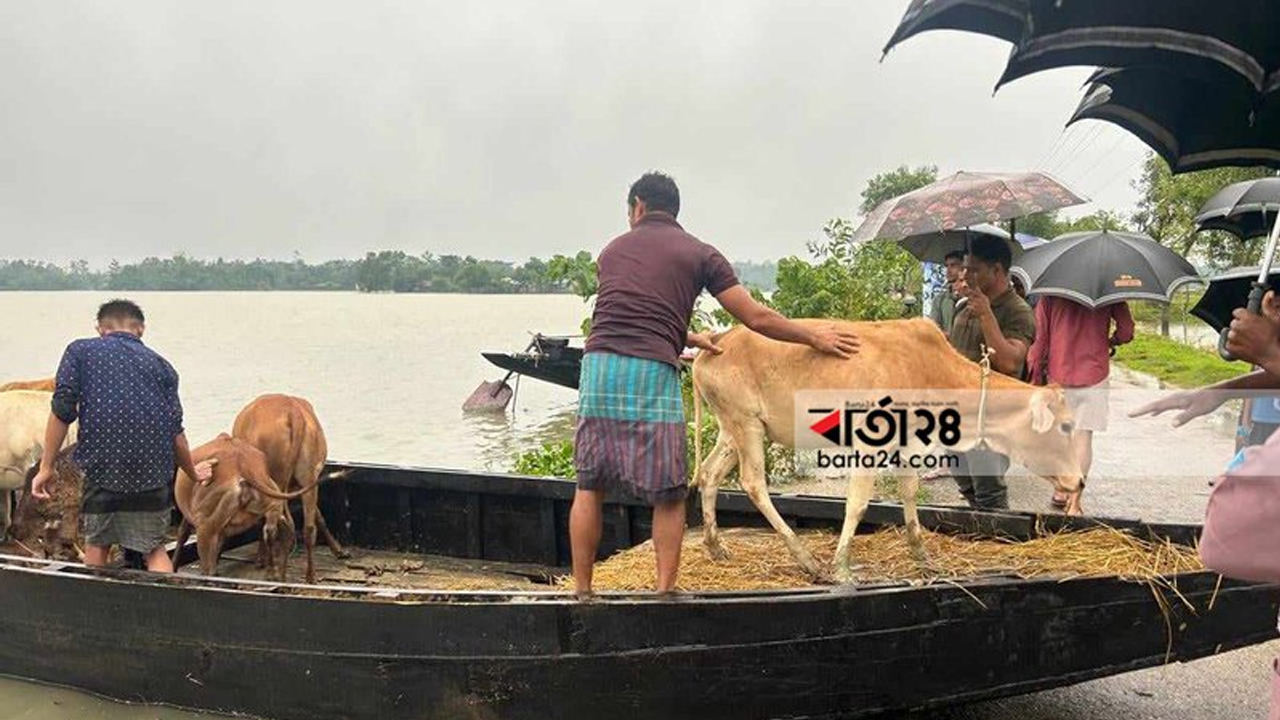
{"x": 287, "y": 430}
{"x": 46, "y": 385}
{"x": 52, "y": 527}
{"x": 752, "y": 388}
{"x": 238, "y": 496}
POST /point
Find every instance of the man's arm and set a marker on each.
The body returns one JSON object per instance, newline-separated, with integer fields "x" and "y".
{"x": 770, "y": 323}
{"x": 1038, "y": 363}
{"x": 1124, "y": 324}
{"x": 1010, "y": 353}
{"x": 183, "y": 452}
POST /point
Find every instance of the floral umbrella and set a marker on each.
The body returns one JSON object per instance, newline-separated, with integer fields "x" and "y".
{"x": 962, "y": 200}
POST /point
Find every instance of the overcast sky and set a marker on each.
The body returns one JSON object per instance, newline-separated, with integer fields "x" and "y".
{"x": 501, "y": 129}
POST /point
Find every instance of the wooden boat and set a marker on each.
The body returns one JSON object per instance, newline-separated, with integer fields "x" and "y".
{"x": 355, "y": 650}
{"x": 550, "y": 359}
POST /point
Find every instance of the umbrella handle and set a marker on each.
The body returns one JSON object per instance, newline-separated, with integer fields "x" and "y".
{"x": 1256, "y": 292}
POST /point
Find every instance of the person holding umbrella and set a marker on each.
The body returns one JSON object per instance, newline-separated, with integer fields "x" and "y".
{"x": 995, "y": 317}
{"x": 1073, "y": 349}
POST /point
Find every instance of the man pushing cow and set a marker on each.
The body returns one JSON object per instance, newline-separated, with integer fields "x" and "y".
{"x": 631, "y": 425}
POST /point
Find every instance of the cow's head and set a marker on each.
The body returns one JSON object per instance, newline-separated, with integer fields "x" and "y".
{"x": 1034, "y": 427}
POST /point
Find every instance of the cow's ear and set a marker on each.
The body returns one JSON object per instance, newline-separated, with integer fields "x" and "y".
{"x": 1041, "y": 410}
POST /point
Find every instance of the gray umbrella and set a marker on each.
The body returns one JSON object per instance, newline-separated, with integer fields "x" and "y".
{"x": 1244, "y": 209}
{"x": 1102, "y": 267}
{"x": 934, "y": 247}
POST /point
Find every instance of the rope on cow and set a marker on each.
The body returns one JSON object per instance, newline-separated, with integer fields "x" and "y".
{"x": 985, "y": 365}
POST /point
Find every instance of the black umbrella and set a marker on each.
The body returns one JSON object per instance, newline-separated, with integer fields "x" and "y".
{"x": 1187, "y": 37}
{"x": 1227, "y": 292}
{"x": 1244, "y": 209}
{"x": 1102, "y": 267}
{"x": 1192, "y": 124}
{"x": 934, "y": 247}
{"x": 1005, "y": 19}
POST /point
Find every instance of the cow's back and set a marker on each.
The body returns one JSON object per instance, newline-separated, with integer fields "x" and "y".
{"x": 24, "y": 415}
{"x": 45, "y": 385}
{"x": 287, "y": 431}
{"x": 894, "y": 353}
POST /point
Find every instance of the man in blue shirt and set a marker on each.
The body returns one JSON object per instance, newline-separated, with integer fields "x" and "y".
{"x": 131, "y": 440}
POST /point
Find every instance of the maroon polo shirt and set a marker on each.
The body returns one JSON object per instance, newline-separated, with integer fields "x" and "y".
{"x": 650, "y": 279}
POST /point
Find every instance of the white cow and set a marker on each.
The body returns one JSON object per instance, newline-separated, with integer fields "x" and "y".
{"x": 24, "y": 414}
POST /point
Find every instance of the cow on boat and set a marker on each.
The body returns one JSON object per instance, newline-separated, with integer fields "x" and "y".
{"x": 45, "y": 385}
{"x": 24, "y": 415}
{"x": 238, "y": 497}
{"x": 751, "y": 388}
{"x": 288, "y": 432}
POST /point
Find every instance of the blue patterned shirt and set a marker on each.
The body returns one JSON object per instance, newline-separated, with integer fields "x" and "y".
{"x": 126, "y": 398}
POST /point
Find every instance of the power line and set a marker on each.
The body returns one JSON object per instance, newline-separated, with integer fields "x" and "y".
{"x": 1071, "y": 154}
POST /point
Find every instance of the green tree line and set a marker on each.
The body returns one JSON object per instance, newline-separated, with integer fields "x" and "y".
{"x": 383, "y": 271}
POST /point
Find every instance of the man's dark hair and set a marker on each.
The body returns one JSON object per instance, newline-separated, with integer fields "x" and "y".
{"x": 121, "y": 311}
{"x": 953, "y": 255}
{"x": 991, "y": 250}
{"x": 658, "y": 191}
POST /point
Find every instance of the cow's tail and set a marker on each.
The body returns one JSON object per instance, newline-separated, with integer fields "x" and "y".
{"x": 297, "y": 436}
{"x": 697, "y": 427}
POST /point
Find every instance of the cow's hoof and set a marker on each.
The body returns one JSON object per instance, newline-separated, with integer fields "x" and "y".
{"x": 342, "y": 553}
{"x": 717, "y": 552}
{"x": 845, "y": 576}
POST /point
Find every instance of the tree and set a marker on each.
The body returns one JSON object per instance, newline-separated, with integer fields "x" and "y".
{"x": 894, "y": 183}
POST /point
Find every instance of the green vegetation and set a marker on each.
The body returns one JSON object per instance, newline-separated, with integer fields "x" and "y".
{"x": 553, "y": 459}
{"x": 1175, "y": 363}
{"x": 383, "y": 271}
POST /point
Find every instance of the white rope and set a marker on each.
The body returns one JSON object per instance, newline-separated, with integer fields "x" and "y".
{"x": 985, "y": 369}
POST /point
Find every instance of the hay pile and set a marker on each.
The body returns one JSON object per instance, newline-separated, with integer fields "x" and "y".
{"x": 760, "y": 561}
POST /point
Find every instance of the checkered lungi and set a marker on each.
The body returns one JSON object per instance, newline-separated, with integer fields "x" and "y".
{"x": 631, "y": 428}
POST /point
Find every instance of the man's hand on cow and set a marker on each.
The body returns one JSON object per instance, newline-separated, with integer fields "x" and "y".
{"x": 39, "y": 490}
{"x": 204, "y": 470}
{"x": 1191, "y": 404}
{"x": 1254, "y": 338}
{"x": 703, "y": 341}
{"x": 834, "y": 340}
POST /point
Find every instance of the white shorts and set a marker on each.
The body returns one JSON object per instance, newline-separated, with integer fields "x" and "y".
{"x": 1090, "y": 406}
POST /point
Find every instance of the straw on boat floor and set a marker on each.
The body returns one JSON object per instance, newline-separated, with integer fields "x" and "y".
{"x": 760, "y": 561}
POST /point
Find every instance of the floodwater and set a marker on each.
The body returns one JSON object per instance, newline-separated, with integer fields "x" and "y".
{"x": 388, "y": 375}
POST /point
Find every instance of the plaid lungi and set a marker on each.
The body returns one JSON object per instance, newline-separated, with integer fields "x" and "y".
{"x": 631, "y": 428}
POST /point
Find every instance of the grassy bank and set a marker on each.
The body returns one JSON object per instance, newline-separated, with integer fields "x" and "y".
{"x": 1176, "y": 363}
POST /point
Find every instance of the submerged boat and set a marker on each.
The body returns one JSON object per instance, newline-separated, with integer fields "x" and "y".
{"x": 551, "y": 359}
{"x": 372, "y": 647}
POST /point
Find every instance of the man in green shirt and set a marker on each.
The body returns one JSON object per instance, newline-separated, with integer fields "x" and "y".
{"x": 991, "y": 314}
{"x": 944, "y": 305}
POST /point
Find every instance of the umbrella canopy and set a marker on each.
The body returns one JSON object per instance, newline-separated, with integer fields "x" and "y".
{"x": 963, "y": 200}
{"x": 1244, "y": 209}
{"x": 1226, "y": 293}
{"x": 934, "y": 247}
{"x": 1191, "y": 123}
{"x": 1005, "y": 19}
{"x": 1030, "y": 241}
{"x": 1098, "y": 268}
{"x": 1187, "y": 37}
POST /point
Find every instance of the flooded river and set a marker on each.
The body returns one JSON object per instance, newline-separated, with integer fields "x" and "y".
{"x": 388, "y": 375}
